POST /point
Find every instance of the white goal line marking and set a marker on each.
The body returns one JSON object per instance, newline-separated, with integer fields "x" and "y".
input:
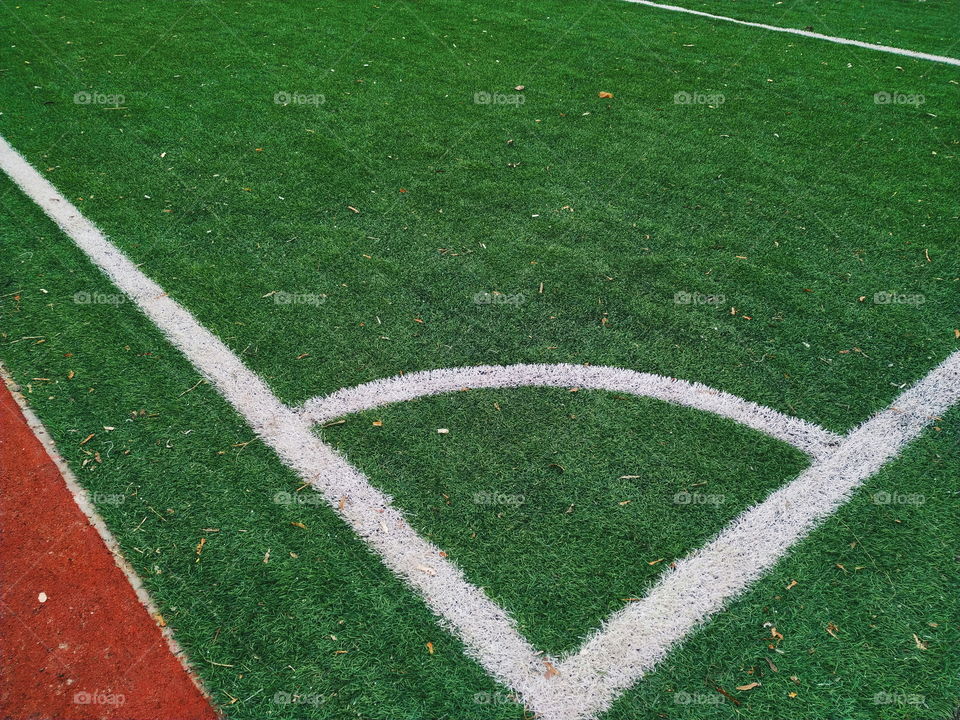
{"x": 633, "y": 640}
{"x": 806, "y": 33}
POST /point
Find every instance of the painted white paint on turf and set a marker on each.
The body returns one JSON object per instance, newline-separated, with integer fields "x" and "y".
{"x": 805, "y": 33}
{"x": 631, "y": 641}
{"x": 806, "y": 437}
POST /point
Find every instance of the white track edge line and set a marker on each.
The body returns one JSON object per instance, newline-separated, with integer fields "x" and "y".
{"x": 82, "y": 498}
{"x": 806, "y": 33}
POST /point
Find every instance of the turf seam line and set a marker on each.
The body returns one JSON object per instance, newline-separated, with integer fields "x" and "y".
{"x": 806, "y": 437}
{"x": 82, "y": 498}
{"x": 633, "y": 640}
{"x": 806, "y": 33}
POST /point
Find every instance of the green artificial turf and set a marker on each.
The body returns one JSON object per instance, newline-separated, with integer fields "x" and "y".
{"x": 797, "y": 199}
{"x": 562, "y": 504}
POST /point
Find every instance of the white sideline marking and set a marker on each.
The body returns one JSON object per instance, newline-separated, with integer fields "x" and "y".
{"x": 806, "y": 437}
{"x": 632, "y": 640}
{"x": 806, "y": 33}
{"x": 82, "y": 498}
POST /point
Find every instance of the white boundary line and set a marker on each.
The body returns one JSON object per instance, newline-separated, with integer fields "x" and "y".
{"x": 632, "y": 640}
{"x": 805, "y": 33}
{"x": 82, "y": 498}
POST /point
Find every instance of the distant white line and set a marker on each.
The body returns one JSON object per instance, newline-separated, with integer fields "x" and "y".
{"x": 806, "y": 33}
{"x": 631, "y": 641}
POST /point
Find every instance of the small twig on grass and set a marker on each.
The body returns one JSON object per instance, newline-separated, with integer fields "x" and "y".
{"x": 199, "y": 382}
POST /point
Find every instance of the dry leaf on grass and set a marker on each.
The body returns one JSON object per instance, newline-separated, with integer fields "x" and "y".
{"x": 749, "y": 686}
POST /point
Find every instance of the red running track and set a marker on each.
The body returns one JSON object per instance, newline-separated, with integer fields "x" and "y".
{"x": 90, "y": 649}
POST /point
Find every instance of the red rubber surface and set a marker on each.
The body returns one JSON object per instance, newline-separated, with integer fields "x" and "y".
{"x": 91, "y": 650}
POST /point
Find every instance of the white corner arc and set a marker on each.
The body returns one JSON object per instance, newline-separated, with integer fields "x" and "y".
{"x": 806, "y": 437}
